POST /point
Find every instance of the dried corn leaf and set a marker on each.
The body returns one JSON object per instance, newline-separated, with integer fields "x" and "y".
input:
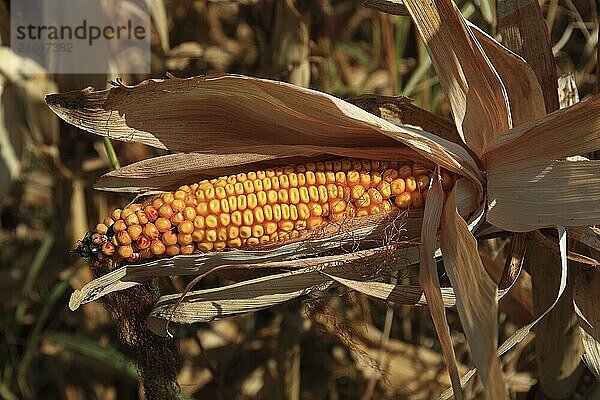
{"x": 522, "y": 332}
{"x": 367, "y": 230}
{"x": 233, "y": 114}
{"x": 530, "y": 189}
{"x": 429, "y": 279}
{"x": 524, "y": 92}
{"x": 255, "y": 294}
{"x": 476, "y": 295}
{"x": 476, "y": 94}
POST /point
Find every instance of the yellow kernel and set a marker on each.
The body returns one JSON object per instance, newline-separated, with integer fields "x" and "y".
{"x": 294, "y": 195}
{"x": 375, "y": 196}
{"x": 286, "y": 226}
{"x": 374, "y": 209}
{"x": 184, "y": 238}
{"x": 252, "y": 241}
{"x": 276, "y": 212}
{"x": 220, "y": 193}
{"x": 322, "y": 194}
{"x": 125, "y": 251}
{"x": 304, "y": 196}
{"x": 222, "y": 234}
{"x": 257, "y": 231}
{"x": 353, "y": 177}
{"x": 234, "y": 243}
{"x": 268, "y": 211}
{"x": 270, "y": 227}
{"x": 332, "y": 190}
{"x": 165, "y": 211}
{"x": 357, "y": 192}
{"x": 167, "y": 198}
{"x": 224, "y": 205}
{"x": 229, "y": 189}
{"x": 337, "y": 206}
{"x": 284, "y": 182}
{"x": 311, "y": 179}
{"x": 398, "y": 186}
{"x": 236, "y": 218}
{"x": 365, "y": 179}
{"x": 285, "y": 211}
{"x": 241, "y": 177}
{"x": 189, "y": 213}
{"x": 163, "y": 224}
{"x": 214, "y": 206}
{"x": 177, "y": 218}
{"x": 403, "y": 200}
{"x": 266, "y": 183}
{"x": 198, "y": 235}
{"x": 186, "y": 227}
{"x": 179, "y": 195}
{"x": 313, "y": 193}
{"x": 157, "y": 247}
{"x": 224, "y": 219}
{"x": 340, "y": 178}
{"x": 211, "y": 221}
{"x": 232, "y": 232}
{"x": 150, "y": 231}
{"x": 172, "y": 250}
{"x": 386, "y": 206}
{"x": 245, "y": 232}
{"x": 232, "y": 203}
{"x": 157, "y": 202}
{"x": 178, "y": 205}
{"x": 248, "y": 217}
{"x": 187, "y": 249}
{"x": 135, "y": 231}
{"x": 301, "y": 179}
{"x": 219, "y": 245}
{"x": 364, "y": 200}
{"x": 241, "y": 202}
{"x": 293, "y": 178}
{"x": 411, "y": 184}
{"x": 199, "y": 222}
{"x": 210, "y": 235}
{"x": 272, "y": 196}
{"x": 206, "y": 247}
{"x": 269, "y": 173}
{"x": 303, "y": 211}
{"x": 169, "y": 238}
{"x": 199, "y": 196}
{"x": 259, "y": 215}
{"x": 282, "y": 195}
{"x": 238, "y": 188}
{"x": 320, "y": 178}
{"x": 248, "y": 187}
{"x": 385, "y": 189}
{"x": 202, "y": 209}
{"x": 275, "y": 182}
{"x": 132, "y": 219}
{"x": 261, "y": 198}
{"x": 123, "y": 237}
{"x": 252, "y": 201}
{"x": 258, "y": 186}
{"x": 315, "y": 209}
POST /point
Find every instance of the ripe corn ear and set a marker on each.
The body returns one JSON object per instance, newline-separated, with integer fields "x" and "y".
{"x": 257, "y": 208}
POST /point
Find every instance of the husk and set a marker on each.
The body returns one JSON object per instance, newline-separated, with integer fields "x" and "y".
{"x": 476, "y": 295}
{"x": 476, "y": 94}
{"x": 368, "y": 230}
{"x": 429, "y": 280}
{"x": 585, "y": 293}
{"x": 530, "y": 189}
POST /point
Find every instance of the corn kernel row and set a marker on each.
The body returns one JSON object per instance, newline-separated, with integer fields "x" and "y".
{"x": 260, "y": 207}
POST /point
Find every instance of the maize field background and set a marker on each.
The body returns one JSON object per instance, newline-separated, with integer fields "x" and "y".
{"x": 338, "y": 344}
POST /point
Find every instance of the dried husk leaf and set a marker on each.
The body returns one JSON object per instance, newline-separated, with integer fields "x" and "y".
{"x": 476, "y": 295}
{"x": 429, "y": 280}
{"x": 476, "y": 94}
{"x": 522, "y": 332}
{"x": 373, "y": 229}
{"x": 528, "y": 188}
{"x": 259, "y": 293}
{"x": 524, "y": 92}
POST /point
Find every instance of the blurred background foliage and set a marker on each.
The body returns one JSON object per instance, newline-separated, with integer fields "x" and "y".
{"x": 318, "y": 348}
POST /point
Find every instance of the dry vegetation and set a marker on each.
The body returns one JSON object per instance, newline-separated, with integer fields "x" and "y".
{"x": 334, "y": 344}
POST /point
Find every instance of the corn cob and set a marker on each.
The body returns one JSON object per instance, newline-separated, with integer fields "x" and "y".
{"x": 257, "y": 208}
